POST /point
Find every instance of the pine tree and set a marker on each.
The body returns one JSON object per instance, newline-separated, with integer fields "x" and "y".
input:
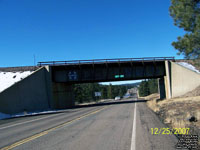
{"x": 186, "y": 15}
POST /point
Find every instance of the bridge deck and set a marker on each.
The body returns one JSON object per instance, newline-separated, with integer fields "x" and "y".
{"x": 102, "y": 70}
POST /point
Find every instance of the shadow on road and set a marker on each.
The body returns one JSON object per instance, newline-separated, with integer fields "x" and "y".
{"x": 111, "y": 103}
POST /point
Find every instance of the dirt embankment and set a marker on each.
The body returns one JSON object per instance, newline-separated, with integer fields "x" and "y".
{"x": 17, "y": 69}
{"x": 181, "y": 112}
{"x": 195, "y": 92}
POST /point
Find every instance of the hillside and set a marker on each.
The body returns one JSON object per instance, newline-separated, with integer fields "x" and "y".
{"x": 18, "y": 69}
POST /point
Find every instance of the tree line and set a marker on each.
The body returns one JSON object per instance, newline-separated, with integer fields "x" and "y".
{"x": 148, "y": 87}
{"x": 86, "y": 92}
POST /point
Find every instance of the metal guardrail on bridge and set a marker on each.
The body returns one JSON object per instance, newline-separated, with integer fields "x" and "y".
{"x": 98, "y": 61}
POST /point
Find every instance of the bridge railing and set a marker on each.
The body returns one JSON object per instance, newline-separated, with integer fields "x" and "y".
{"x": 99, "y": 61}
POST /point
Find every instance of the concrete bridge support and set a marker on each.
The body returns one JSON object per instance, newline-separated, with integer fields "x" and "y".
{"x": 179, "y": 80}
{"x": 167, "y": 80}
{"x": 161, "y": 87}
{"x": 63, "y": 95}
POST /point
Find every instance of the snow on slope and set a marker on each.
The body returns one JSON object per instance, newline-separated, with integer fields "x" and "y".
{"x": 9, "y": 78}
{"x": 3, "y": 116}
{"x": 189, "y": 66}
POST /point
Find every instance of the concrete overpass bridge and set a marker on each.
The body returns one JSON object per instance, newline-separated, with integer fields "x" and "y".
{"x": 103, "y": 70}
{"x": 51, "y": 86}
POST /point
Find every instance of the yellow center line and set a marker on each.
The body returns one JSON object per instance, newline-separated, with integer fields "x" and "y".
{"x": 47, "y": 131}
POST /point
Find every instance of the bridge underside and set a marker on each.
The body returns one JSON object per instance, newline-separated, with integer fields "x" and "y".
{"x": 64, "y": 76}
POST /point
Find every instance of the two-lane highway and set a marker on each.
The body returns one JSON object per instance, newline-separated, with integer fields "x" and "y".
{"x": 124, "y": 125}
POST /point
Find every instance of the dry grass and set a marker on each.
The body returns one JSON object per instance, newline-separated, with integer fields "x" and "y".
{"x": 177, "y": 112}
{"x": 150, "y": 97}
{"x": 153, "y": 105}
{"x": 152, "y": 101}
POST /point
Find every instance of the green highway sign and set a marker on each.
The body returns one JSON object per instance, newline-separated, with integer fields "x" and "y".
{"x": 119, "y": 76}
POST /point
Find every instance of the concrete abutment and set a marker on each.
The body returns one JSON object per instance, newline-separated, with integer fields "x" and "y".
{"x": 179, "y": 80}
{"x": 63, "y": 95}
{"x": 37, "y": 92}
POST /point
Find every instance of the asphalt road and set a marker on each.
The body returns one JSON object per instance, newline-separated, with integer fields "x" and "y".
{"x": 123, "y": 125}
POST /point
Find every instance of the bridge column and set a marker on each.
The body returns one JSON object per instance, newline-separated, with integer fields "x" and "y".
{"x": 63, "y": 95}
{"x": 161, "y": 88}
{"x": 60, "y": 95}
{"x": 167, "y": 78}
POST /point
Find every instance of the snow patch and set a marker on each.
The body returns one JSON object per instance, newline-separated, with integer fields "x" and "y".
{"x": 189, "y": 66}
{"x": 4, "y": 116}
{"x": 7, "y": 79}
{"x": 22, "y": 114}
{"x": 35, "y": 113}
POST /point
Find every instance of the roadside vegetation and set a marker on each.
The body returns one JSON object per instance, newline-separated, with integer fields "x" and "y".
{"x": 148, "y": 87}
{"x": 180, "y": 112}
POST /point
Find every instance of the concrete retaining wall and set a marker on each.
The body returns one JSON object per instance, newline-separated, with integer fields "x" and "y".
{"x": 180, "y": 80}
{"x": 30, "y": 94}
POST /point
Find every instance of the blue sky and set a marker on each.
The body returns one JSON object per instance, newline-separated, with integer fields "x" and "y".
{"x": 89, "y": 29}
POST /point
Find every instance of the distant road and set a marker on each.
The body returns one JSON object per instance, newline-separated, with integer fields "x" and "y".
{"x": 116, "y": 125}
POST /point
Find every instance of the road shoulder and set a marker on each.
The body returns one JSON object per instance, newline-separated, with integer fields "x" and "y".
{"x": 146, "y": 121}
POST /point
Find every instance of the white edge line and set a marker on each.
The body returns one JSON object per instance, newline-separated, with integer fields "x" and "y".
{"x": 27, "y": 121}
{"x": 133, "y": 140}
